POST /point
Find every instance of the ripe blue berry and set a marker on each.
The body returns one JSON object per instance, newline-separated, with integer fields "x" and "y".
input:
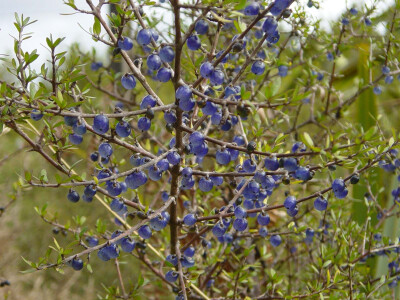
{"x": 263, "y": 219}
{"x": 290, "y": 164}
{"x": 263, "y": 231}
{"x": 125, "y": 44}
{"x": 105, "y": 150}
{"x": 338, "y": 185}
{"x": 96, "y": 66}
{"x": 183, "y": 92}
{"x": 100, "y": 124}
{"x": 127, "y": 244}
{"x": 36, "y": 115}
{"x": 73, "y": 196}
{"x": 252, "y": 9}
{"x": 270, "y": 25}
{"x": 193, "y": 42}
{"x": 171, "y": 258}
{"x": 92, "y": 241}
{"x": 189, "y": 252}
{"x": 154, "y": 62}
{"x": 320, "y": 203}
{"x": 240, "y": 224}
{"x": 77, "y": 264}
{"x": 144, "y": 37}
{"x": 128, "y": 81}
{"x": 275, "y": 240}
{"x": 170, "y": 117}
{"x": 201, "y": 27}
{"x": 123, "y": 129}
{"x": 303, "y": 173}
{"x": 217, "y": 77}
{"x": 70, "y": 120}
{"x": 206, "y": 69}
{"x": 187, "y": 105}
{"x": 240, "y": 212}
{"x": 167, "y": 54}
{"x": 79, "y": 129}
{"x": 271, "y": 163}
{"x": 205, "y": 184}
{"x": 173, "y": 158}
{"x": 282, "y": 71}
{"x": 145, "y": 232}
{"x": 258, "y": 67}
{"x": 144, "y": 123}
{"x": 75, "y": 139}
{"x": 148, "y": 101}
{"x": 219, "y": 229}
{"x": 249, "y": 166}
{"x": 196, "y": 139}
{"x": 290, "y": 202}
{"x": 223, "y": 157}
{"x": 164, "y": 75}
{"x": 135, "y": 180}
{"x": 189, "y": 220}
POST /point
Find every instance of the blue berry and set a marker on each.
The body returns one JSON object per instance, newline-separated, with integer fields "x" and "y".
{"x": 270, "y": 25}
{"x": 345, "y": 21}
{"x": 170, "y": 117}
{"x": 105, "y": 150}
{"x": 125, "y": 44}
{"x": 240, "y": 212}
{"x": 73, "y": 196}
{"x": 113, "y": 188}
{"x": 36, "y": 115}
{"x": 209, "y": 109}
{"x": 282, "y": 71}
{"x": 127, "y": 244}
{"x": 219, "y": 229}
{"x": 389, "y": 79}
{"x": 263, "y": 231}
{"x": 144, "y": 123}
{"x": 223, "y": 157}
{"x": 275, "y": 240}
{"x": 258, "y": 67}
{"x": 341, "y": 194}
{"x": 70, "y": 120}
{"x": 145, "y": 232}
{"x": 100, "y": 124}
{"x": 292, "y": 212}
{"x": 154, "y": 62}
{"x": 189, "y": 220}
{"x": 368, "y": 21}
{"x": 271, "y": 163}
{"x": 303, "y": 173}
{"x": 189, "y": 252}
{"x": 172, "y": 259}
{"x": 320, "y": 203}
{"x": 123, "y": 129}
{"x": 193, "y": 42}
{"x": 206, "y": 69}
{"x": 217, "y": 77}
{"x": 148, "y": 101}
{"x": 135, "y": 180}
{"x": 252, "y": 9}
{"x": 290, "y": 202}
{"x": 128, "y": 81}
{"x": 75, "y": 139}
{"x": 96, "y": 66}
{"x": 92, "y": 241}
{"x": 290, "y": 164}
{"x": 196, "y": 138}
{"x": 183, "y": 92}
{"x": 79, "y": 129}
{"x": 353, "y": 11}
{"x": 167, "y": 54}
{"x": 205, "y": 184}
{"x": 77, "y": 264}
{"x": 173, "y": 158}
{"x": 144, "y": 37}
{"x": 187, "y": 105}
{"x": 240, "y": 224}
{"x": 338, "y": 185}
{"x": 164, "y": 75}
{"x": 249, "y": 166}
{"x": 263, "y": 219}
{"x": 201, "y": 27}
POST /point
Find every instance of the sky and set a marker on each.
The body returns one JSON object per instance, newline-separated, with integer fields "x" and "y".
{"x": 51, "y": 21}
